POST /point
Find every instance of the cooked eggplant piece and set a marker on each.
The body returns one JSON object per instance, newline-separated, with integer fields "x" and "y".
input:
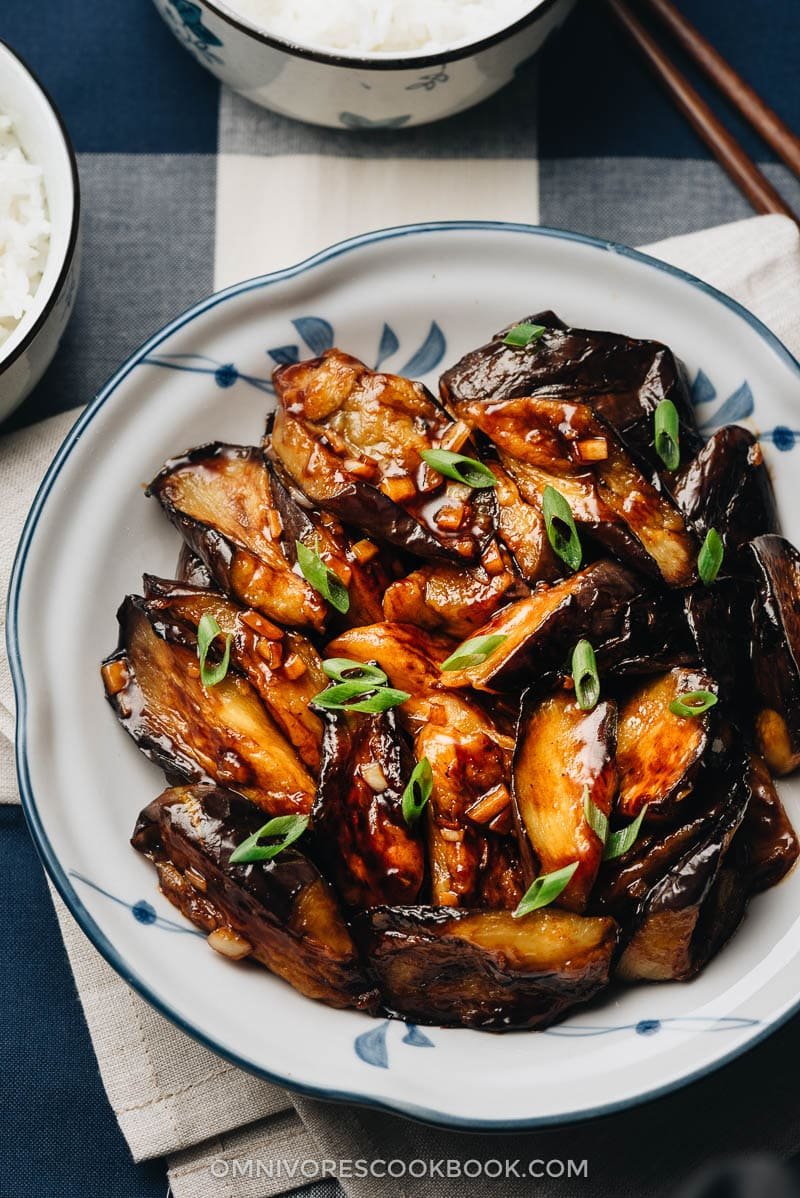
{"x": 776, "y": 651}
{"x": 521, "y": 528}
{"x": 549, "y": 442}
{"x": 470, "y": 790}
{"x": 453, "y": 600}
{"x": 350, "y": 439}
{"x": 356, "y": 560}
{"x": 218, "y": 734}
{"x": 564, "y": 754}
{"x": 189, "y": 568}
{"x": 281, "y": 912}
{"x": 659, "y": 753}
{"x": 727, "y": 487}
{"x": 654, "y": 635}
{"x": 541, "y": 631}
{"x": 485, "y": 969}
{"x": 283, "y": 666}
{"x": 679, "y": 897}
{"x": 717, "y": 616}
{"x": 220, "y": 499}
{"x": 766, "y": 840}
{"x": 623, "y": 379}
{"x": 367, "y": 847}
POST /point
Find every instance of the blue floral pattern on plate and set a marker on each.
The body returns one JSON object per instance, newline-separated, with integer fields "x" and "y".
{"x": 186, "y": 19}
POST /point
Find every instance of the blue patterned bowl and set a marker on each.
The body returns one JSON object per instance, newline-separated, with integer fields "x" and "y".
{"x": 411, "y": 300}
{"x": 348, "y": 92}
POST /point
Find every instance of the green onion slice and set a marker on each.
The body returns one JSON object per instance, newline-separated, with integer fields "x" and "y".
{"x": 321, "y": 578}
{"x": 619, "y": 842}
{"x": 359, "y": 696}
{"x": 474, "y": 652}
{"x": 524, "y": 334}
{"x": 693, "y": 703}
{"x": 667, "y": 435}
{"x": 561, "y": 531}
{"x": 461, "y": 468}
{"x": 544, "y": 890}
{"x": 418, "y": 791}
{"x": 595, "y": 818}
{"x": 585, "y": 676}
{"x": 342, "y": 669}
{"x": 710, "y": 557}
{"x": 288, "y": 827}
{"x": 207, "y": 632}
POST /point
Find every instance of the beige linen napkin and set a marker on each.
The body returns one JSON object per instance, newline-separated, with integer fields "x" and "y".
{"x": 173, "y": 1097}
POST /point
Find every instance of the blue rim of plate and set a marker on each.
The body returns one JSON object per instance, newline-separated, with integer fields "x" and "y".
{"x": 45, "y": 849}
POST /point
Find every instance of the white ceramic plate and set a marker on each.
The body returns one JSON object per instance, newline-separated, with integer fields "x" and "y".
{"x": 413, "y": 299}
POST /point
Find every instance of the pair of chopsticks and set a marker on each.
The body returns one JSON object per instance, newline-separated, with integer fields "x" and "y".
{"x": 731, "y": 156}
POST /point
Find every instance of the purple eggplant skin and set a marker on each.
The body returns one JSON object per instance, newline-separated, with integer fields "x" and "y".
{"x": 766, "y": 841}
{"x": 716, "y": 617}
{"x": 624, "y": 379}
{"x": 282, "y": 912}
{"x": 727, "y": 487}
{"x": 454, "y": 967}
{"x": 364, "y": 843}
{"x": 679, "y": 895}
{"x": 653, "y": 635}
{"x": 775, "y": 651}
{"x": 192, "y": 570}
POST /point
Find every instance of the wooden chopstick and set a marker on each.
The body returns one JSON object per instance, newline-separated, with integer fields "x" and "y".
{"x": 723, "y": 145}
{"x": 767, "y": 123}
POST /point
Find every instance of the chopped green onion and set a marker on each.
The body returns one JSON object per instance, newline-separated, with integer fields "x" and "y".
{"x": 710, "y": 557}
{"x": 289, "y": 827}
{"x": 667, "y": 435}
{"x": 474, "y": 652}
{"x": 619, "y": 842}
{"x": 585, "y": 676}
{"x": 359, "y": 696}
{"x": 321, "y": 578}
{"x": 461, "y": 468}
{"x": 418, "y": 791}
{"x": 692, "y": 704}
{"x": 342, "y": 669}
{"x": 595, "y": 818}
{"x": 544, "y": 890}
{"x": 523, "y": 334}
{"x": 561, "y": 531}
{"x": 207, "y": 632}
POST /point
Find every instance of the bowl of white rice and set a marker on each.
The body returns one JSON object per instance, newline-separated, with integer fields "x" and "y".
{"x": 39, "y": 230}
{"x": 364, "y": 64}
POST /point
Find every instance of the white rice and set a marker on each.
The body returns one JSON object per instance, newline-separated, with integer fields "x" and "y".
{"x": 369, "y": 26}
{"x": 24, "y": 230}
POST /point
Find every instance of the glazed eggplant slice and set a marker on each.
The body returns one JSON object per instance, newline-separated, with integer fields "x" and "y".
{"x": 485, "y": 969}
{"x": 542, "y": 630}
{"x": 219, "y": 498}
{"x": 563, "y": 755}
{"x": 767, "y": 841}
{"x": 776, "y": 651}
{"x": 453, "y": 600}
{"x": 659, "y": 753}
{"x": 548, "y": 442}
{"x": 281, "y": 912}
{"x": 356, "y": 560}
{"x": 219, "y": 734}
{"x": 366, "y": 846}
{"x": 727, "y": 487}
{"x": 191, "y": 569}
{"x": 680, "y": 897}
{"x": 282, "y": 665}
{"x": 521, "y": 528}
{"x": 719, "y": 620}
{"x": 654, "y": 635}
{"x": 350, "y": 439}
{"x": 623, "y": 379}
{"x": 471, "y": 789}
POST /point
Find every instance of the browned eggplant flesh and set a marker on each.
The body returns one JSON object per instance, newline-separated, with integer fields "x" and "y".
{"x": 469, "y": 704}
{"x": 282, "y": 913}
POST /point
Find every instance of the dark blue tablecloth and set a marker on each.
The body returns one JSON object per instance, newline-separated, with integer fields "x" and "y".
{"x": 134, "y": 102}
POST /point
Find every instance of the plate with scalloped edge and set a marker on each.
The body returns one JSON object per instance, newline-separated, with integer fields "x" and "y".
{"x": 412, "y": 300}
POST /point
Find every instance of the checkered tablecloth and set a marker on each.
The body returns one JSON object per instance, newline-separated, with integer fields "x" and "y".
{"x": 186, "y": 188}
